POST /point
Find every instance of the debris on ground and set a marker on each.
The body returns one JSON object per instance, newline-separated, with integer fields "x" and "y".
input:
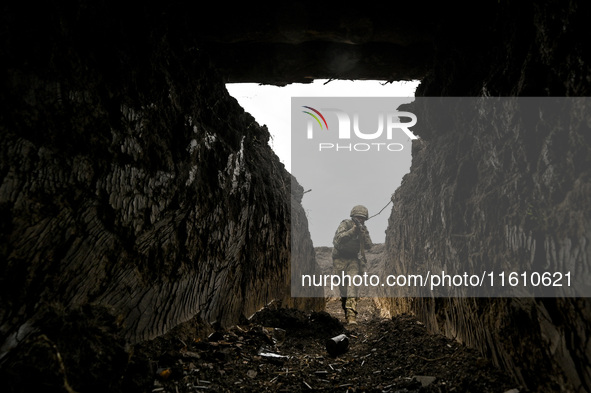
{"x": 285, "y": 350}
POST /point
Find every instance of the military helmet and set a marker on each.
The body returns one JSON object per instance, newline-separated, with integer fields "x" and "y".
{"x": 360, "y": 211}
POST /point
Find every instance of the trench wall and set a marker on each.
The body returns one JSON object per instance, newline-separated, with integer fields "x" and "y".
{"x": 505, "y": 193}
{"x": 132, "y": 182}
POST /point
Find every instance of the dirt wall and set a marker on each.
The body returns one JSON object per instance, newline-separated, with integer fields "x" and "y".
{"x": 511, "y": 191}
{"x": 132, "y": 186}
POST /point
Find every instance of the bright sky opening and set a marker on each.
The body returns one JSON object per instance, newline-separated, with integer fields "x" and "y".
{"x": 271, "y": 106}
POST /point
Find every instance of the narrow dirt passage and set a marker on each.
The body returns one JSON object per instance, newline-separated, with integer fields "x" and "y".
{"x": 284, "y": 350}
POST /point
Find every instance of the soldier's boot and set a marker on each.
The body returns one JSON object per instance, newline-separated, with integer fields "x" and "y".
{"x": 351, "y": 317}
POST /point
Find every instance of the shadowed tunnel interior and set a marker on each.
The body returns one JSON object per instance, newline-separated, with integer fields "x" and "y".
{"x": 137, "y": 197}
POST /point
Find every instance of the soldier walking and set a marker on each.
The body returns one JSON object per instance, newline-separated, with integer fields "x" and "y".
{"x": 350, "y": 242}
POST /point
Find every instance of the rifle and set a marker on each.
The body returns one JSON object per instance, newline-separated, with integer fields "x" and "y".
{"x": 361, "y": 239}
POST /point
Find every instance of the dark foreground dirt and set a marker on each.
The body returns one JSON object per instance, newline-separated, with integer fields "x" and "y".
{"x": 275, "y": 350}
{"x": 284, "y": 350}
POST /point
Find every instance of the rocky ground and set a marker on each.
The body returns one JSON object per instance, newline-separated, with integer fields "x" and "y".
{"x": 284, "y": 350}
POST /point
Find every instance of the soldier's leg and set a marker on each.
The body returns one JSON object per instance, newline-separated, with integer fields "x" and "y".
{"x": 339, "y": 266}
{"x": 352, "y": 269}
{"x": 351, "y": 306}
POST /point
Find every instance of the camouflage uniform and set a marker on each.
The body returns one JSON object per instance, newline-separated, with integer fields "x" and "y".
{"x": 346, "y": 259}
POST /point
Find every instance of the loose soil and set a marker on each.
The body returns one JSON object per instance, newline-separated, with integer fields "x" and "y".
{"x": 284, "y": 350}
